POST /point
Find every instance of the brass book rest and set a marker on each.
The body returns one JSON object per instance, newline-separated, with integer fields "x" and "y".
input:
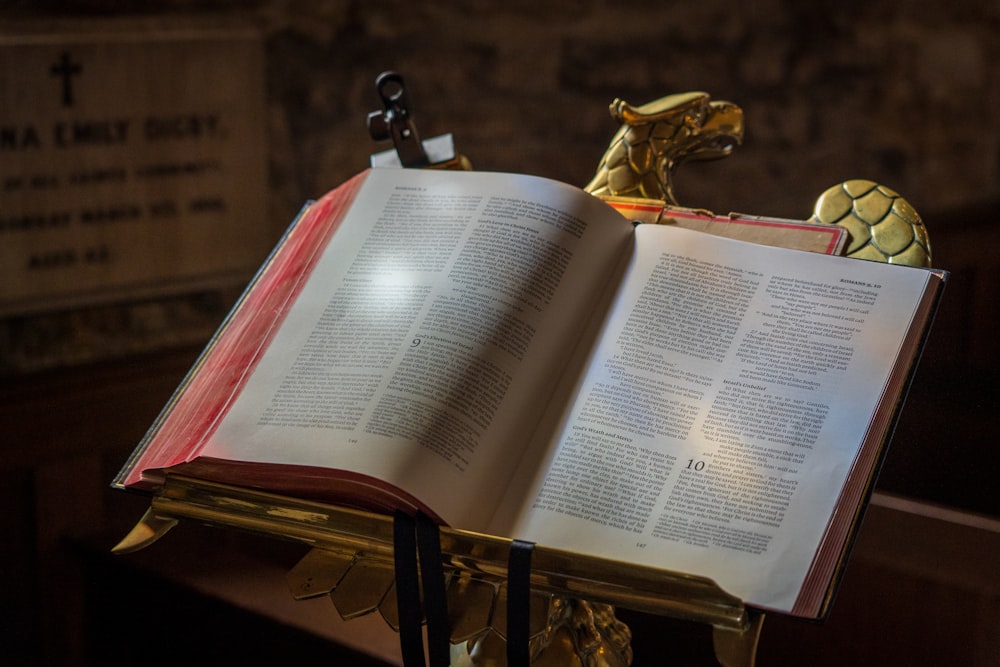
{"x": 351, "y": 560}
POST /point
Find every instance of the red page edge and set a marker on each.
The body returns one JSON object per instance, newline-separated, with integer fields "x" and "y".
{"x": 193, "y": 413}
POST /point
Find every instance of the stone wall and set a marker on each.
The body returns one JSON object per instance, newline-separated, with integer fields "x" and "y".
{"x": 902, "y": 92}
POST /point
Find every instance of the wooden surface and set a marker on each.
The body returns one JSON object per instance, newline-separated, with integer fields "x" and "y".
{"x": 65, "y": 433}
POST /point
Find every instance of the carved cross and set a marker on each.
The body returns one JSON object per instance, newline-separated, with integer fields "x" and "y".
{"x": 66, "y": 69}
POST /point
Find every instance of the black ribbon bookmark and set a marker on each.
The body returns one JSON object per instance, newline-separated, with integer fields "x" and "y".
{"x": 518, "y": 603}
{"x": 413, "y": 536}
{"x": 411, "y": 642}
{"x": 435, "y": 598}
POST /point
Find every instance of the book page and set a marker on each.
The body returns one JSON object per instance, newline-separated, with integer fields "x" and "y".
{"x": 723, "y": 410}
{"x": 424, "y": 346}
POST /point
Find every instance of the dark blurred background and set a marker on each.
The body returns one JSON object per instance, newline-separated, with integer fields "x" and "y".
{"x": 902, "y": 92}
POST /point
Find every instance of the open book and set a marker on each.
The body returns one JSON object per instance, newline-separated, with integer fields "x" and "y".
{"x": 514, "y": 357}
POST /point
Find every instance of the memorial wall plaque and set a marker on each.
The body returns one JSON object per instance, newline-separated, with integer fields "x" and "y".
{"x": 132, "y": 170}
